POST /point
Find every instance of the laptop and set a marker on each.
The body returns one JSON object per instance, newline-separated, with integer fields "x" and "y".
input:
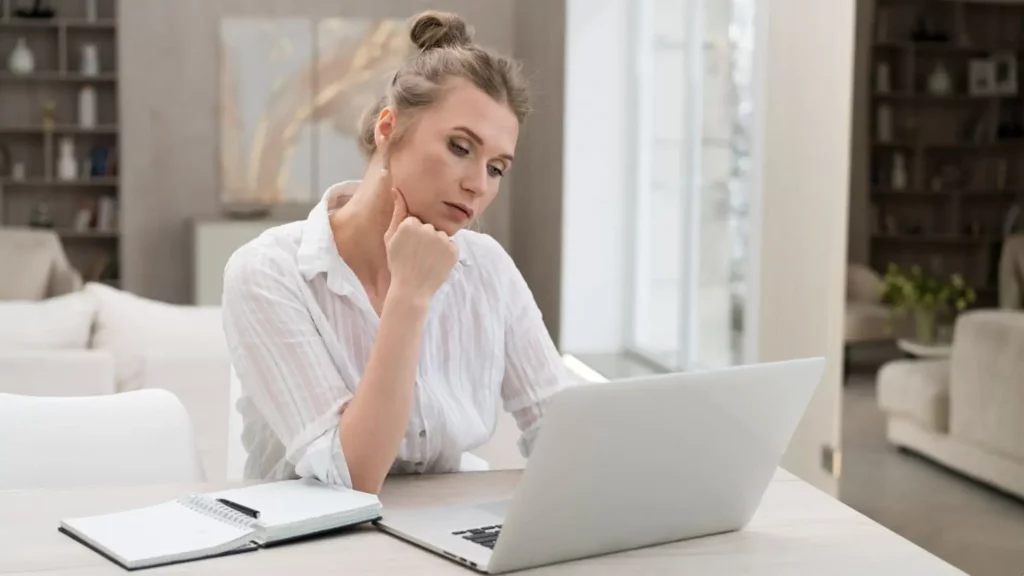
{"x": 628, "y": 464}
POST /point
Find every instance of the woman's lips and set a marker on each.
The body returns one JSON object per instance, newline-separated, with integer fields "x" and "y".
{"x": 465, "y": 212}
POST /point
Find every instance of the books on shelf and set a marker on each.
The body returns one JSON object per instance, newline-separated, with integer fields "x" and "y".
{"x": 196, "y": 526}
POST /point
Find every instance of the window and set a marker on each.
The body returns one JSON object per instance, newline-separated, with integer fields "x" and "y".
{"x": 692, "y": 142}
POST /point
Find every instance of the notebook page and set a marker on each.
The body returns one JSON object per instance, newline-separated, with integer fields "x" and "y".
{"x": 294, "y": 501}
{"x": 164, "y": 530}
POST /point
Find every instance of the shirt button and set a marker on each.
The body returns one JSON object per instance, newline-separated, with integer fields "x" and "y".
{"x": 423, "y": 433}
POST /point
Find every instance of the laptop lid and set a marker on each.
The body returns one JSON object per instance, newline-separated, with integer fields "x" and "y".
{"x": 648, "y": 460}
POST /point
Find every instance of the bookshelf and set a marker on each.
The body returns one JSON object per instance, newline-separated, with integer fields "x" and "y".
{"x": 947, "y": 136}
{"x": 43, "y": 125}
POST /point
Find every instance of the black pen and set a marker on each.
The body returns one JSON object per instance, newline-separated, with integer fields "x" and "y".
{"x": 255, "y": 514}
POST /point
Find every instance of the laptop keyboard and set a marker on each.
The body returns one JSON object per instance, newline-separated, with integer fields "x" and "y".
{"x": 484, "y": 536}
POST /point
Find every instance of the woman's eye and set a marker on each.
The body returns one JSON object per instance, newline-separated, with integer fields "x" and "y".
{"x": 494, "y": 171}
{"x": 457, "y": 149}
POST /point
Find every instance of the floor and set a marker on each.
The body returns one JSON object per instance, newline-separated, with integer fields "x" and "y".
{"x": 977, "y": 529}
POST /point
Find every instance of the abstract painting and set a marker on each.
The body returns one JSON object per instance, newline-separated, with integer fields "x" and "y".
{"x": 292, "y": 91}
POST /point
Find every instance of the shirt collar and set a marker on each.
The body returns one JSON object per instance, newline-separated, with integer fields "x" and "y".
{"x": 317, "y": 253}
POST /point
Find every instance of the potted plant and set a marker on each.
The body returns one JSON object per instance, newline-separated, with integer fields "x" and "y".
{"x": 926, "y": 297}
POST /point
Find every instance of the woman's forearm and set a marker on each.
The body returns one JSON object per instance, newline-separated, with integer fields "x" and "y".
{"x": 374, "y": 422}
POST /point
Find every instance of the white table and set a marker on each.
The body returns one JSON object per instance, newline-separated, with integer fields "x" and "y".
{"x": 797, "y": 530}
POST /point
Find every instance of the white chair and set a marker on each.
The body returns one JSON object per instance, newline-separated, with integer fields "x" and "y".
{"x": 131, "y": 438}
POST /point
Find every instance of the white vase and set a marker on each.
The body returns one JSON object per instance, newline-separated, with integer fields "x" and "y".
{"x": 22, "y": 60}
{"x": 940, "y": 83}
{"x": 67, "y": 166}
{"x": 87, "y": 107}
{"x": 91, "y": 10}
{"x": 90, "y": 65}
{"x": 899, "y": 173}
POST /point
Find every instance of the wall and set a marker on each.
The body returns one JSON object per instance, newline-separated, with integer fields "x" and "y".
{"x": 595, "y": 244}
{"x": 804, "y": 114}
{"x": 168, "y": 60}
{"x": 536, "y": 217}
{"x": 860, "y": 180}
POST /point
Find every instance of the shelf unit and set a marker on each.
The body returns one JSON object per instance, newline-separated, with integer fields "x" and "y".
{"x": 946, "y": 158}
{"x": 39, "y": 110}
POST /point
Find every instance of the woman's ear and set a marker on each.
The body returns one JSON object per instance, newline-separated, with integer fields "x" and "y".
{"x": 385, "y": 128}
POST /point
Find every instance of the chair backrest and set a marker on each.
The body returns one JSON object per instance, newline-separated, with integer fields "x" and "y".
{"x": 130, "y": 438}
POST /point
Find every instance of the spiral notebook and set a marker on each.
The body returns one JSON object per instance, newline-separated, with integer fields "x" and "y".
{"x": 197, "y": 526}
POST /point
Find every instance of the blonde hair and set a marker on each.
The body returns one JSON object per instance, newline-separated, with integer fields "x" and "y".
{"x": 446, "y": 50}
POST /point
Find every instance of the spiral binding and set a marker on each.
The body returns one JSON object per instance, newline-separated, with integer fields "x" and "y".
{"x": 209, "y": 507}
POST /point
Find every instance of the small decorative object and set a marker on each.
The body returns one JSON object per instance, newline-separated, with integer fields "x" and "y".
{"x": 1002, "y": 173}
{"x": 927, "y": 30}
{"x": 884, "y": 128}
{"x": 940, "y": 83}
{"x": 1009, "y": 130}
{"x": 892, "y": 226}
{"x": 18, "y": 171}
{"x": 899, "y": 178}
{"x": 84, "y": 216}
{"x": 87, "y": 107}
{"x": 67, "y": 165}
{"x": 21, "y": 61}
{"x": 106, "y": 215}
{"x": 1004, "y": 71}
{"x": 92, "y": 12}
{"x": 981, "y": 77}
{"x": 49, "y": 115}
{"x": 883, "y": 78}
{"x": 973, "y": 229}
{"x": 926, "y": 297}
{"x": 38, "y": 10}
{"x": 90, "y": 65}
{"x": 41, "y": 216}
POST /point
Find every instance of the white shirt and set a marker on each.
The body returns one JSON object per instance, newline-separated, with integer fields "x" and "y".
{"x": 300, "y": 328}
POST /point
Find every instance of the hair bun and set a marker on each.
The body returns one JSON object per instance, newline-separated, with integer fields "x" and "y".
{"x": 440, "y": 30}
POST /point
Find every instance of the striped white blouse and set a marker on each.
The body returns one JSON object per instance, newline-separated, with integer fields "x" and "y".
{"x": 300, "y": 328}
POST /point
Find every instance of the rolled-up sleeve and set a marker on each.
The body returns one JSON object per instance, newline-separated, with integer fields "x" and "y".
{"x": 283, "y": 363}
{"x": 534, "y": 371}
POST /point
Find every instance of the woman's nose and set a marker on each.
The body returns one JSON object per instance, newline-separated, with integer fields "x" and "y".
{"x": 475, "y": 180}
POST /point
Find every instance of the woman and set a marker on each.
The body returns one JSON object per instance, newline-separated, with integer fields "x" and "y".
{"x": 379, "y": 335}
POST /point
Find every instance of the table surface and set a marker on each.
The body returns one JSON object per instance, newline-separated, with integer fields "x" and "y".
{"x": 797, "y": 530}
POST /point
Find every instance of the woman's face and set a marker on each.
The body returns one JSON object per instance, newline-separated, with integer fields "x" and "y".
{"x": 449, "y": 163}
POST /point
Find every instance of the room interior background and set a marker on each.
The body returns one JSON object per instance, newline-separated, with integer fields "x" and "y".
{"x": 562, "y": 212}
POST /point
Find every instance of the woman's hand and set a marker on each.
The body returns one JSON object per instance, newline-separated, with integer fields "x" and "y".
{"x": 420, "y": 257}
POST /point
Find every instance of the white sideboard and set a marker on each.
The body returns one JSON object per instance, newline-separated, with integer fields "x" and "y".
{"x": 214, "y": 241}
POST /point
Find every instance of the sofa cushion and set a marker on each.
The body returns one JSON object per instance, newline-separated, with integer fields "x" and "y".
{"x": 129, "y": 327}
{"x": 987, "y": 381}
{"x": 916, "y": 389}
{"x": 60, "y": 323}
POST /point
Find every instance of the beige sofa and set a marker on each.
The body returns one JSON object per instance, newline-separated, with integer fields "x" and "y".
{"x": 966, "y": 412}
{"x": 33, "y": 265}
{"x": 100, "y": 340}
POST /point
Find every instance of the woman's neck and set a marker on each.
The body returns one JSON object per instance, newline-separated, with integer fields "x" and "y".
{"x": 358, "y": 228}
